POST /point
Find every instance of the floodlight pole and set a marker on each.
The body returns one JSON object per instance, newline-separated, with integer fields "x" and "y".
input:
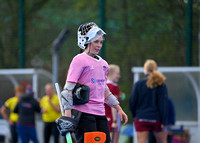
{"x": 21, "y": 35}
{"x": 102, "y": 24}
{"x": 189, "y": 33}
{"x": 199, "y": 38}
{"x": 56, "y": 47}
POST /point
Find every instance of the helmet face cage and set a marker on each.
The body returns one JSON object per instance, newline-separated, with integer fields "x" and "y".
{"x": 83, "y": 33}
{"x": 84, "y": 28}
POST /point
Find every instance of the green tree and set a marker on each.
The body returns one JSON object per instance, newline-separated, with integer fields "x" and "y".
{"x": 136, "y": 31}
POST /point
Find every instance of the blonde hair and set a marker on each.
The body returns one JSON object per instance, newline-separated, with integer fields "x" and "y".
{"x": 19, "y": 88}
{"x": 155, "y": 78}
{"x": 112, "y": 68}
{"x": 150, "y": 65}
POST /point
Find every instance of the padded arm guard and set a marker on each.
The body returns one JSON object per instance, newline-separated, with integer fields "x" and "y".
{"x": 112, "y": 101}
{"x": 69, "y": 86}
{"x": 67, "y": 99}
{"x": 80, "y": 95}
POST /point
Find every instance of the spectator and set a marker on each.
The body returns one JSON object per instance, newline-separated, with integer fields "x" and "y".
{"x": 26, "y": 108}
{"x": 51, "y": 111}
{"x": 13, "y": 117}
{"x": 111, "y": 113}
{"x": 148, "y": 104}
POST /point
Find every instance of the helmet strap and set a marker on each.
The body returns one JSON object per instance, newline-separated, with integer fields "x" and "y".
{"x": 92, "y": 55}
{"x": 89, "y": 48}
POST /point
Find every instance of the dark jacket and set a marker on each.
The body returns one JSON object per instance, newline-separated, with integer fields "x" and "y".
{"x": 171, "y": 113}
{"x": 26, "y": 108}
{"x": 149, "y": 103}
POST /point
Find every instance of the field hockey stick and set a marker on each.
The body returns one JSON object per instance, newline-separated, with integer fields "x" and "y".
{"x": 68, "y": 135}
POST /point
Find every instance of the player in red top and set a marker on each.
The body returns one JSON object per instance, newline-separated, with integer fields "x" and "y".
{"x": 111, "y": 113}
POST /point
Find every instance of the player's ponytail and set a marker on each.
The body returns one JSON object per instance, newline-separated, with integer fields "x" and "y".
{"x": 155, "y": 78}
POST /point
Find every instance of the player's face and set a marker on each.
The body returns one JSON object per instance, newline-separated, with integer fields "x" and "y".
{"x": 95, "y": 47}
{"x": 18, "y": 94}
{"x": 145, "y": 71}
{"x": 49, "y": 90}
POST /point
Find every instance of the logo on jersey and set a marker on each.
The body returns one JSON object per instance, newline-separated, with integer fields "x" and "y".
{"x": 97, "y": 81}
{"x": 92, "y": 68}
{"x": 26, "y": 105}
{"x": 104, "y": 68}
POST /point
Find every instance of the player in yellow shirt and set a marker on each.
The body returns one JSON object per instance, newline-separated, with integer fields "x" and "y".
{"x": 13, "y": 117}
{"x": 51, "y": 111}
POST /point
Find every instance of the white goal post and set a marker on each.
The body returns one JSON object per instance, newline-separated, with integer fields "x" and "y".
{"x": 9, "y": 73}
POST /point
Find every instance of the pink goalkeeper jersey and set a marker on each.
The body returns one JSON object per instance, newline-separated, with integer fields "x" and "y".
{"x": 91, "y": 72}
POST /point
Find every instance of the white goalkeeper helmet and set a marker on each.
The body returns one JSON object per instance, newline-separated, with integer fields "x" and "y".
{"x": 87, "y": 33}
